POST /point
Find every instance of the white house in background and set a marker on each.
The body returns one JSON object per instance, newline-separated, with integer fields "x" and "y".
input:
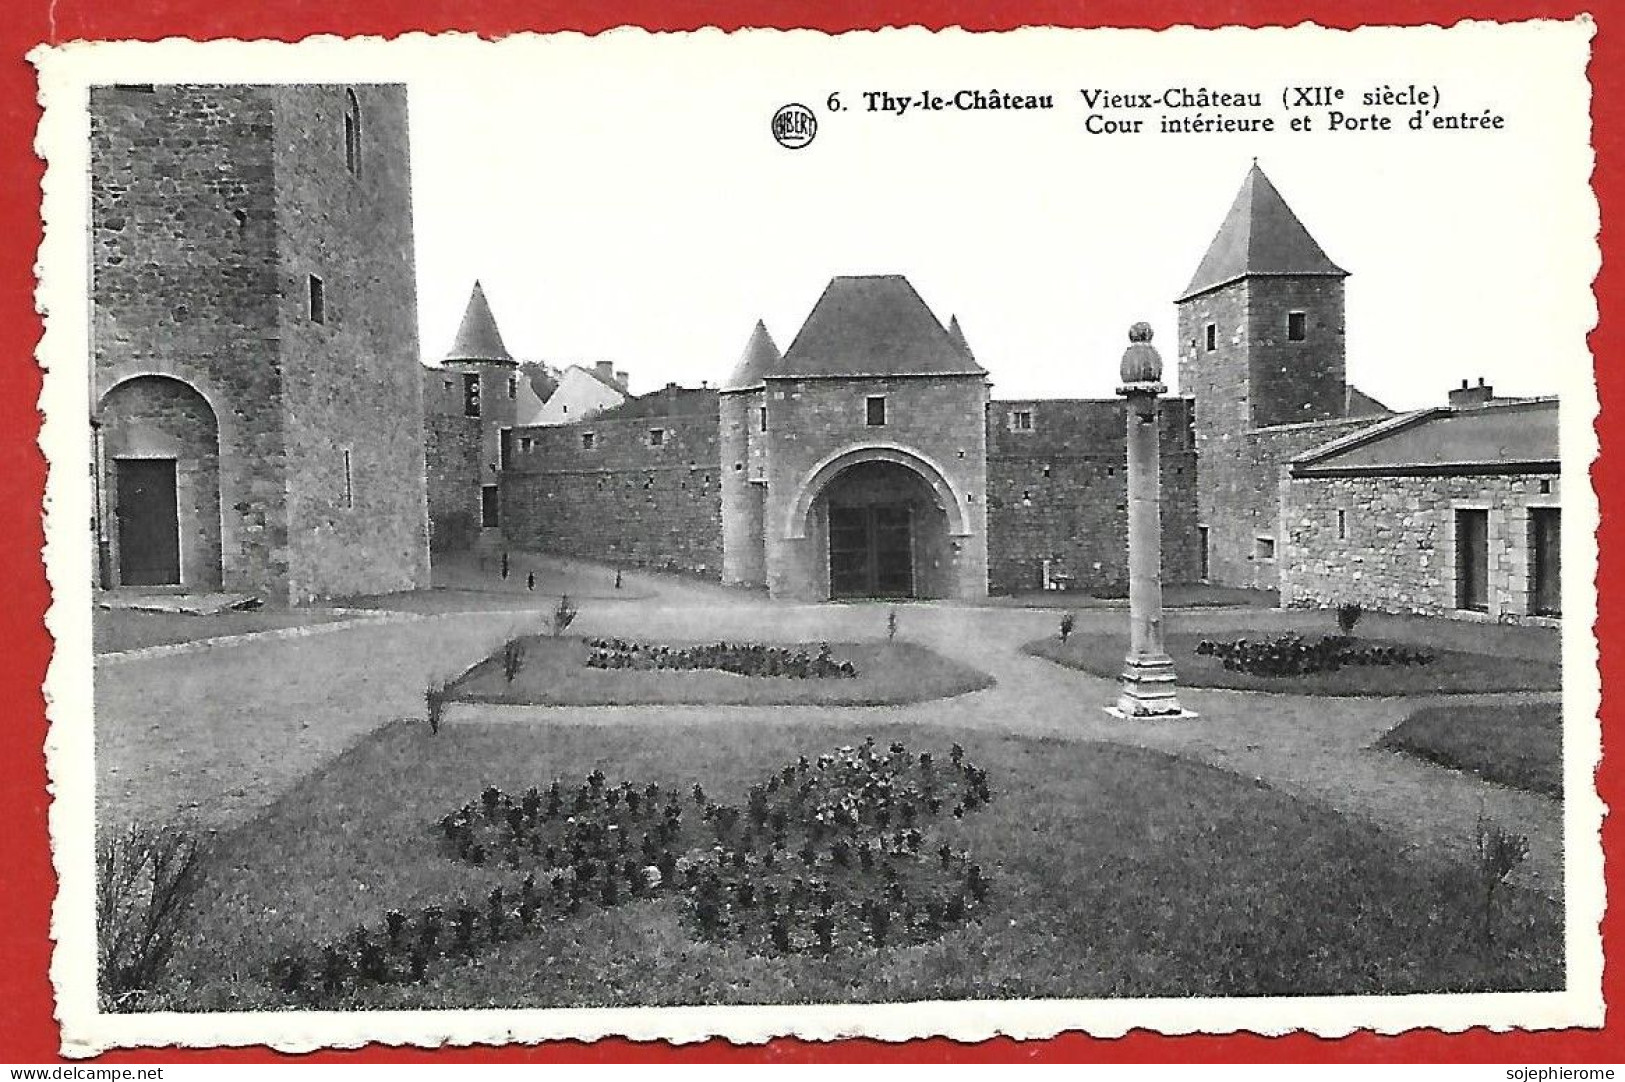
{"x": 582, "y": 393}
{"x": 532, "y": 399}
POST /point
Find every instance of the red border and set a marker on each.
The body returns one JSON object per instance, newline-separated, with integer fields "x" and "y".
{"x": 28, "y": 1030}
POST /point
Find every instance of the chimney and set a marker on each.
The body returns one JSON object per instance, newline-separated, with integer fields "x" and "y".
{"x": 1467, "y": 397}
{"x": 605, "y": 371}
{"x": 622, "y": 380}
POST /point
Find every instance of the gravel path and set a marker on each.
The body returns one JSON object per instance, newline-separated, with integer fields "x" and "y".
{"x": 218, "y": 734}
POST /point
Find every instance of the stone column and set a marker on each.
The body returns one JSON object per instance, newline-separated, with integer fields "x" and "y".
{"x": 1148, "y": 672}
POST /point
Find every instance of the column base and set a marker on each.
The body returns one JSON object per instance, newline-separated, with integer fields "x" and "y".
{"x": 1148, "y": 688}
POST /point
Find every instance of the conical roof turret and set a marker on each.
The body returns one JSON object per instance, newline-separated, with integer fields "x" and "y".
{"x": 477, "y": 336}
{"x": 1260, "y": 236}
{"x": 761, "y": 356}
{"x": 957, "y": 336}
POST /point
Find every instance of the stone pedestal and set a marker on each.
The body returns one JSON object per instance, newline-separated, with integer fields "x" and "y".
{"x": 1148, "y": 672}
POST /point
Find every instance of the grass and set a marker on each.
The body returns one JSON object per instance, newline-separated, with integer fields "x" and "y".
{"x": 1116, "y": 872}
{"x": 114, "y": 630}
{"x": 1187, "y": 595}
{"x": 554, "y": 673}
{"x": 1450, "y": 671}
{"x": 1518, "y": 744}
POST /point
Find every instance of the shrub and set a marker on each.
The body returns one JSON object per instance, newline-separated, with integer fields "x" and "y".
{"x": 1348, "y": 614}
{"x": 434, "y": 702}
{"x": 513, "y": 656}
{"x": 1499, "y": 851}
{"x": 146, "y": 878}
{"x": 745, "y": 659}
{"x": 564, "y": 614}
{"x": 1069, "y": 620}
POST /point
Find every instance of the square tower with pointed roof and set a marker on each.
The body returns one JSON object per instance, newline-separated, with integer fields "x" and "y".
{"x": 1260, "y": 347}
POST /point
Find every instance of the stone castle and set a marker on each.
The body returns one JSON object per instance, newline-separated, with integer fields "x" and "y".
{"x": 255, "y": 362}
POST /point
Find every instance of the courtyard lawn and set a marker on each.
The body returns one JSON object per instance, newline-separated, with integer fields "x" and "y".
{"x": 1516, "y": 744}
{"x": 115, "y": 630}
{"x": 1450, "y": 670}
{"x": 1115, "y": 872}
{"x": 554, "y": 672}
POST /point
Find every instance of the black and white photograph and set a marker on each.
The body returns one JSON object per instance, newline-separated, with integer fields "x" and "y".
{"x": 891, "y": 534}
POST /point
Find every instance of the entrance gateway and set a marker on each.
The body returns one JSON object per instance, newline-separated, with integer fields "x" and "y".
{"x": 871, "y": 551}
{"x": 149, "y": 536}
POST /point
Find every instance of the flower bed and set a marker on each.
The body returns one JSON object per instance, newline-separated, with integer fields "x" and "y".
{"x": 746, "y": 659}
{"x": 1294, "y": 655}
{"x": 824, "y": 855}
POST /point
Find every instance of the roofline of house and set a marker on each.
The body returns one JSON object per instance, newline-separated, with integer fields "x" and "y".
{"x": 1500, "y": 467}
{"x": 980, "y": 373}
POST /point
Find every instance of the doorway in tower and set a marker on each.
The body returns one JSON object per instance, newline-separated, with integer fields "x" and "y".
{"x": 871, "y": 551}
{"x": 148, "y": 516}
{"x": 886, "y": 533}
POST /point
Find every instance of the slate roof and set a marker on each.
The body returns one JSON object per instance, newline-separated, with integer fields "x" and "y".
{"x": 873, "y": 326}
{"x": 1260, "y": 236}
{"x": 958, "y": 337}
{"x": 761, "y": 356}
{"x": 1356, "y": 403}
{"x": 1517, "y": 437}
{"x": 477, "y": 336}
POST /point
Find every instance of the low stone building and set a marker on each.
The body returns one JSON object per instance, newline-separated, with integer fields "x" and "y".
{"x": 254, "y": 341}
{"x": 1449, "y": 512}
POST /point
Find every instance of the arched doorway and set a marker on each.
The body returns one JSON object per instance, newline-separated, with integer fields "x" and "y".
{"x": 160, "y": 495}
{"x": 885, "y": 532}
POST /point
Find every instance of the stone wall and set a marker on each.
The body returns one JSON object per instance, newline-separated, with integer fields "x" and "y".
{"x": 357, "y": 512}
{"x": 1388, "y": 542}
{"x": 1255, "y": 379}
{"x": 184, "y": 283}
{"x": 624, "y": 498}
{"x": 1057, "y": 491}
{"x": 452, "y": 446}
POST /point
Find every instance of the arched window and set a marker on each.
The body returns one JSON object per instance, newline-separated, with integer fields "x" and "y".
{"x": 352, "y": 133}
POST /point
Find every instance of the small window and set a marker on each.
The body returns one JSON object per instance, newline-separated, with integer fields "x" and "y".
{"x": 587, "y": 441}
{"x": 1264, "y": 548}
{"x": 352, "y": 133}
{"x": 1021, "y": 420}
{"x": 1212, "y": 337}
{"x": 525, "y": 443}
{"x": 875, "y": 412}
{"x": 1342, "y": 525}
{"x": 318, "y": 300}
{"x": 1297, "y": 326}
{"x": 448, "y": 384}
{"x": 761, "y": 418}
{"x": 349, "y": 481}
{"x": 513, "y": 386}
{"x": 471, "y": 394}
{"x": 657, "y": 437}
{"x": 490, "y": 513}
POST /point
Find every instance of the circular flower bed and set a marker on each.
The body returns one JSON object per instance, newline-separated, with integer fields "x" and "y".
{"x": 824, "y": 854}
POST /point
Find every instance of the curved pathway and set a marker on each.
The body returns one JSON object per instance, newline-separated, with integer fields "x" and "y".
{"x": 217, "y": 734}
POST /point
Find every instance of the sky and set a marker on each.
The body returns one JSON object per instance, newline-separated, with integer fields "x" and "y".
{"x": 621, "y": 197}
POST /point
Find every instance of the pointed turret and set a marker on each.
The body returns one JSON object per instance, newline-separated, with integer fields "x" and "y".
{"x": 957, "y": 336}
{"x": 760, "y": 357}
{"x": 1260, "y": 236}
{"x": 477, "y": 336}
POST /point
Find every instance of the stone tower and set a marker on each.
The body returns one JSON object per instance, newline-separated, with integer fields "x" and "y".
{"x": 742, "y": 405}
{"x": 1260, "y": 345}
{"x": 255, "y": 387}
{"x": 481, "y": 405}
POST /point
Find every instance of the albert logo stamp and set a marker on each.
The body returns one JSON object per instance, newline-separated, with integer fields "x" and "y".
{"x": 794, "y": 126}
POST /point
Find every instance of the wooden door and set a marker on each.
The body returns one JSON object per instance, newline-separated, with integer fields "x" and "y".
{"x": 1473, "y": 560}
{"x": 1546, "y": 560}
